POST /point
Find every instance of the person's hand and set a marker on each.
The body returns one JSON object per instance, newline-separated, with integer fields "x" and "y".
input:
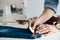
{"x": 31, "y": 22}
{"x": 47, "y": 30}
{"x": 43, "y": 29}
{"x": 35, "y": 23}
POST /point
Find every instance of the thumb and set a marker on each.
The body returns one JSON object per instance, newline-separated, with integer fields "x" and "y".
{"x": 35, "y": 26}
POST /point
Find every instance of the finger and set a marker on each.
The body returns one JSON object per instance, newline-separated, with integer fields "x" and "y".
{"x": 30, "y": 23}
{"x": 35, "y": 26}
{"x": 43, "y": 32}
{"x": 43, "y": 29}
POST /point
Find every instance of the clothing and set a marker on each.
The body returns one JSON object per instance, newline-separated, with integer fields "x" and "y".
{"x": 54, "y": 36}
{"x": 6, "y": 31}
{"x": 52, "y": 4}
{"x": 11, "y": 32}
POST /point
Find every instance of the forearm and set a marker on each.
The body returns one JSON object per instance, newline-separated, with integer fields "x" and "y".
{"x": 52, "y": 4}
{"x": 46, "y": 15}
{"x": 50, "y": 8}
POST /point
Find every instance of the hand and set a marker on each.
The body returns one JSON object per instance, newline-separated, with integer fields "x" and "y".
{"x": 32, "y": 22}
{"x": 45, "y": 16}
{"x": 47, "y": 30}
{"x": 43, "y": 30}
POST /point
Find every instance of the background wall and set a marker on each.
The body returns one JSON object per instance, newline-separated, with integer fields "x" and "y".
{"x": 35, "y": 7}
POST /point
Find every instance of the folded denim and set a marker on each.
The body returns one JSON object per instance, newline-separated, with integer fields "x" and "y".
{"x": 11, "y": 32}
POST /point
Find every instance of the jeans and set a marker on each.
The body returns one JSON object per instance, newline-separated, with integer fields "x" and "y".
{"x": 11, "y": 32}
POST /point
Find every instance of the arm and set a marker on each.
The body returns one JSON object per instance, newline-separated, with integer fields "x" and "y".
{"x": 46, "y": 15}
{"x": 51, "y": 4}
{"x": 50, "y": 8}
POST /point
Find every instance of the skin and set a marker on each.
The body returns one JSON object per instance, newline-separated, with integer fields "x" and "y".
{"x": 47, "y": 30}
{"x": 46, "y": 15}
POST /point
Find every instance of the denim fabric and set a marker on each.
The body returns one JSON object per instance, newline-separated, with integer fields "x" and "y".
{"x": 52, "y": 4}
{"x": 11, "y": 32}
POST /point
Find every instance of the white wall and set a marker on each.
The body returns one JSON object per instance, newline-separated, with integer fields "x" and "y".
{"x": 35, "y": 7}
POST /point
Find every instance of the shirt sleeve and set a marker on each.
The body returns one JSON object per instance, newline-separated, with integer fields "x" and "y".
{"x": 52, "y": 4}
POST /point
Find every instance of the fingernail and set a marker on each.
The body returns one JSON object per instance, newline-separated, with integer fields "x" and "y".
{"x": 32, "y": 28}
{"x": 36, "y": 31}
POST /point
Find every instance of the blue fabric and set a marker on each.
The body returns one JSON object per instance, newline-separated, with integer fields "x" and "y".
{"x": 52, "y": 4}
{"x": 11, "y": 32}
